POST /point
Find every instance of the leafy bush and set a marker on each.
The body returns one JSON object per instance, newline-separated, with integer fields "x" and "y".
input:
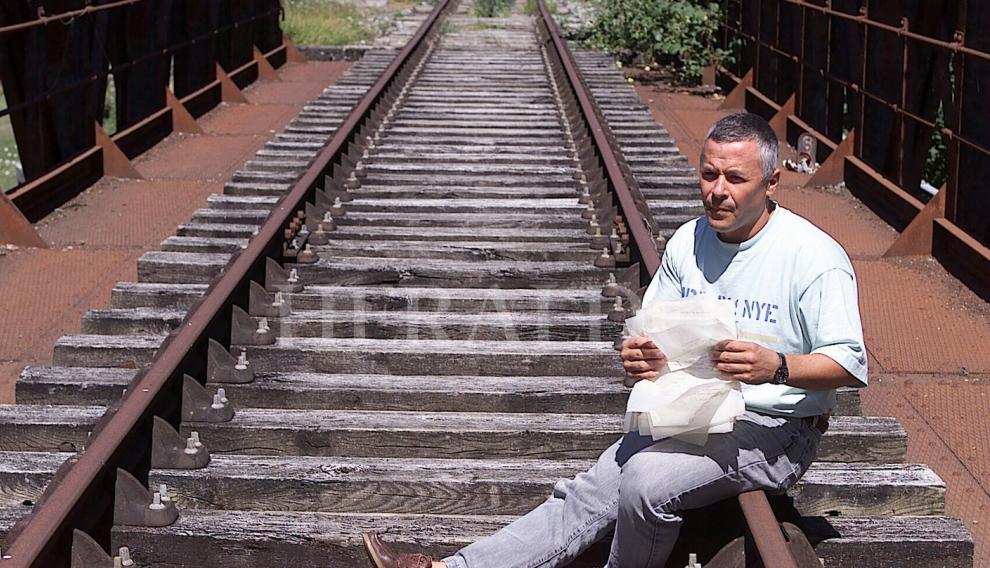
{"x": 679, "y": 33}
{"x": 492, "y": 8}
{"x": 324, "y": 23}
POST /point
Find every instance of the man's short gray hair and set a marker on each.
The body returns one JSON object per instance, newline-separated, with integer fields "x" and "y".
{"x": 742, "y": 126}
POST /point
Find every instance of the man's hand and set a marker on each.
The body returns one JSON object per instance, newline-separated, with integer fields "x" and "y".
{"x": 745, "y": 362}
{"x": 642, "y": 359}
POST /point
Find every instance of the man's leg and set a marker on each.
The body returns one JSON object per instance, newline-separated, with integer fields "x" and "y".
{"x": 761, "y": 452}
{"x": 578, "y": 513}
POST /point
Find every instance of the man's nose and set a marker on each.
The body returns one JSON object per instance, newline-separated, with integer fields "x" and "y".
{"x": 718, "y": 187}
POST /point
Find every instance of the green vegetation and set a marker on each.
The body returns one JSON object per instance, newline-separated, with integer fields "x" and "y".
{"x": 492, "y": 8}
{"x": 532, "y": 7}
{"x": 325, "y": 23}
{"x": 936, "y": 170}
{"x": 677, "y": 33}
{"x": 8, "y": 151}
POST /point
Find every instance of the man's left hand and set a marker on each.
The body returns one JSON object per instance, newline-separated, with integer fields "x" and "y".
{"x": 745, "y": 361}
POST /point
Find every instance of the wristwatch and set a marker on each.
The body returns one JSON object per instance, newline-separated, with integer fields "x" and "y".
{"x": 781, "y": 374}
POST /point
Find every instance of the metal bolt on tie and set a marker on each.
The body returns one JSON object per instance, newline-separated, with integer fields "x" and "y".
{"x": 163, "y": 491}
{"x": 279, "y": 298}
{"x": 327, "y": 217}
{"x": 693, "y": 561}
{"x": 194, "y": 436}
{"x": 242, "y": 361}
{"x": 222, "y": 393}
{"x": 217, "y": 403}
{"x": 156, "y": 500}
{"x": 293, "y": 276}
{"x": 191, "y": 449}
{"x": 125, "y": 557}
{"x": 263, "y": 326}
{"x": 117, "y": 562}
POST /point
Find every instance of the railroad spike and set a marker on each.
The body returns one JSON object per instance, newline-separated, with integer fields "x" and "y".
{"x": 618, "y": 311}
{"x": 277, "y": 278}
{"x": 169, "y": 449}
{"x": 605, "y": 260}
{"x": 198, "y": 405}
{"x": 224, "y": 368}
{"x": 245, "y": 330}
{"x": 261, "y": 303}
{"x": 306, "y": 255}
{"x": 135, "y": 506}
{"x": 124, "y": 555}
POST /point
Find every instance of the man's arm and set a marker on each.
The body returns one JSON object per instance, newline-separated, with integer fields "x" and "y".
{"x": 754, "y": 364}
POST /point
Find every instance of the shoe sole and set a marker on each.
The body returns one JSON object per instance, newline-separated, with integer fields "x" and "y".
{"x": 367, "y": 550}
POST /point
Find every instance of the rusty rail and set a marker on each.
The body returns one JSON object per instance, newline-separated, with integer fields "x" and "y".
{"x": 630, "y": 201}
{"x": 81, "y": 496}
{"x": 763, "y": 526}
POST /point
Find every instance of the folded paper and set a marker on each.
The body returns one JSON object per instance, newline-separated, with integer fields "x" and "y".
{"x": 688, "y": 401}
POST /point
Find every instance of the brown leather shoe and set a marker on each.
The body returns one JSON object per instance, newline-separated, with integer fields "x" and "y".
{"x": 384, "y": 557}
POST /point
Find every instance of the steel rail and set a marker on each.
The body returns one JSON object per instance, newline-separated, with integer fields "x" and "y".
{"x": 43, "y": 540}
{"x": 763, "y": 525}
{"x": 640, "y": 236}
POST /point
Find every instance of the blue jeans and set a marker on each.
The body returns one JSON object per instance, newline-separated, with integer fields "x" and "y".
{"x": 637, "y": 488}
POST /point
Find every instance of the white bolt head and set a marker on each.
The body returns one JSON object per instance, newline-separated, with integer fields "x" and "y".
{"x": 190, "y": 450}
{"x": 125, "y": 557}
{"x": 194, "y": 435}
{"x": 293, "y": 276}
{"x": 242, "y": 361}
{"x": 163, "y": 491}
{"x": 222, "y": 393}
{"x": 156, "y": 502}
{"x": 217, "y": 403}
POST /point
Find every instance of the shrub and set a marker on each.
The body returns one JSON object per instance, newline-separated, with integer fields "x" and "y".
{"x": 679, "y": 33}
{"x": 492, "y": 8}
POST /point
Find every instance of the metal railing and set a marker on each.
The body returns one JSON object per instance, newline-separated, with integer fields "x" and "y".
{"x": 907, "y": 81}
{"x": 56, "y": 68}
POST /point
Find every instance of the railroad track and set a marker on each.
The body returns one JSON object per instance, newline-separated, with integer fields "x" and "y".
{"x": 432, "y": 352}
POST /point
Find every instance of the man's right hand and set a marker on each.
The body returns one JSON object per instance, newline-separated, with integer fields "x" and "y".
{"x": 641, "y": 359}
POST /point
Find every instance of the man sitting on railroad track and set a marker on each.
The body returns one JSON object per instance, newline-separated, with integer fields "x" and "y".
{"x": 800, "y": 339}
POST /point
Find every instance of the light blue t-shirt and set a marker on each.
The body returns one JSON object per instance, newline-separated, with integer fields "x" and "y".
{"x": 794, "y": 292}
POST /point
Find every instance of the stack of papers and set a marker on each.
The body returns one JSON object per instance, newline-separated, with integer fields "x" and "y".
{"x": 688, "y": 401}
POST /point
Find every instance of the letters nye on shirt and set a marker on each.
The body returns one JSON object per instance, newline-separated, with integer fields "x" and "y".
{"x": 794, "y": 291}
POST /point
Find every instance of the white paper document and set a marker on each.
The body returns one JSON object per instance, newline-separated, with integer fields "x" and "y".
{"x": 688, "y": 401}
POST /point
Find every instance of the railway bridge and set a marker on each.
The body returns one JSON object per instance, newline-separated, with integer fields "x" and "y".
{"x": 400, "y": 314}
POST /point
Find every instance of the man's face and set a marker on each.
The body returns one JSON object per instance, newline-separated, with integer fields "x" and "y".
{"x": 733, "y": 190}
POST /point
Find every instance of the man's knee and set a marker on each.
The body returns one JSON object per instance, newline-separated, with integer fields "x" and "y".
{"x": 644, "y": 489}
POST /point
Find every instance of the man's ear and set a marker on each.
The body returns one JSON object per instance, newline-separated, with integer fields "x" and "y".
{"x": 773, "y": 183}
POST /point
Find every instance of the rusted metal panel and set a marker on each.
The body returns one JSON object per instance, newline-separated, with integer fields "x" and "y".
{"x": 194, "y": 64}
{"x": 43, "y": 67}
{"x": 971, "y": 207}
